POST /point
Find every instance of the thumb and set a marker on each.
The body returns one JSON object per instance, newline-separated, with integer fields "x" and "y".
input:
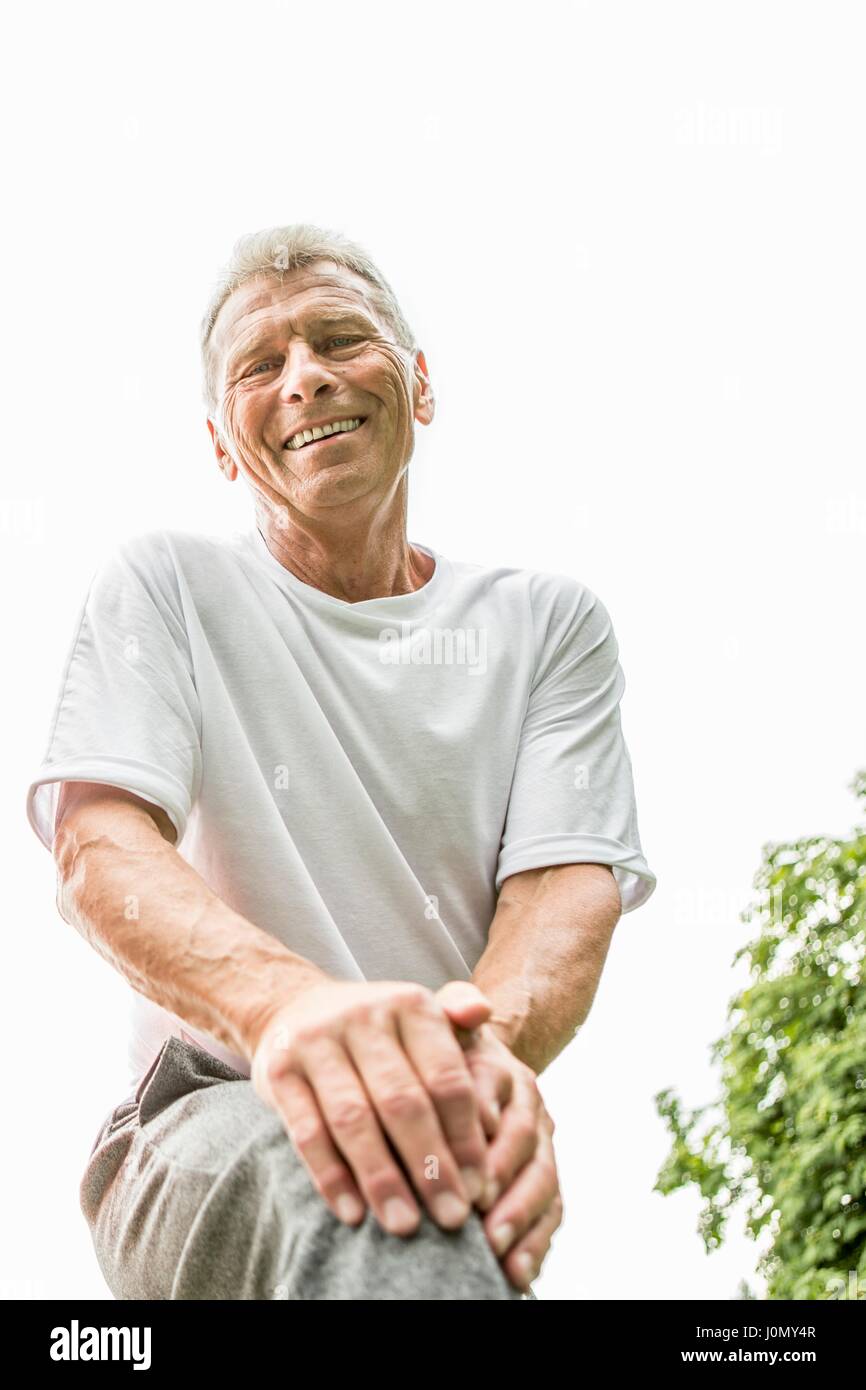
{"x": 464, "y": 1003}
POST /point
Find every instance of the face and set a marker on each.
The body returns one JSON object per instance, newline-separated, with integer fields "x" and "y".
{"x": 305, "y": 352}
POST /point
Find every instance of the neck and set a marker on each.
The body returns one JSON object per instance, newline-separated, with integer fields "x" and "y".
{"x": 364, "y": 562}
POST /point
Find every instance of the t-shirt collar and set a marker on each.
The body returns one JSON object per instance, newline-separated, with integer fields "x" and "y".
{"x": 400, "y": 605}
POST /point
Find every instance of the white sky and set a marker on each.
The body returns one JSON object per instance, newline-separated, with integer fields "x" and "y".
{"x": 630, "y": 240}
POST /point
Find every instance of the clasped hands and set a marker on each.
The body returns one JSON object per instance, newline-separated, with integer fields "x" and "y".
{"x": 390, "y": 1091}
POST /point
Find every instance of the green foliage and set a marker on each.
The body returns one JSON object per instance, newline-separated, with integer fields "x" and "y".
{"x": 787, "y": 1137}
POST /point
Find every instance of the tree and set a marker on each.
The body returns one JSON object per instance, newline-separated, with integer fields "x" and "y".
{"x": 787, "y": 1135}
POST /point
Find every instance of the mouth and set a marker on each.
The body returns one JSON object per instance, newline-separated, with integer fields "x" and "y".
{"x": 292, "y": 444}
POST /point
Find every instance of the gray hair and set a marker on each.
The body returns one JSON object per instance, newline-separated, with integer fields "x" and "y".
{"x": 278, "y": 249}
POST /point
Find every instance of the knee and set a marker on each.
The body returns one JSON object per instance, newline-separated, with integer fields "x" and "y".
{"x": 332, "y": 1261}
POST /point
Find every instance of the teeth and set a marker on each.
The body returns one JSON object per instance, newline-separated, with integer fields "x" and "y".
{"x": 307, "y": 436}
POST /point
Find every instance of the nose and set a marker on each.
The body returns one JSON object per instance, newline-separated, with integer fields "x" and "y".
{"x": 305, "y": 376}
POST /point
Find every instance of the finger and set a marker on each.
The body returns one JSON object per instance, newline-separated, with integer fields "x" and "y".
{"x": 408, "y": 1116}
{"x": 464, "y": 1003}
{"x": 515, "y": 1141}
{"x": 491, "y": 1115}
{"x": 305, "y": 1125}
{"x": 523, "y": 1262}
{"x": 494, "y": 1086}
{"x": 524, "y": 1202}
{"x": 439, "y": 1060}
{"x": 355, "y": 1130}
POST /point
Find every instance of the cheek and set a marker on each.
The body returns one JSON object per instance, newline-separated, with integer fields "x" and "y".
{"x": 245, "y": 415}
{"x": 388, "y": 380}
{"x": 233, "y": 416}
{"x": 241, "y": 418}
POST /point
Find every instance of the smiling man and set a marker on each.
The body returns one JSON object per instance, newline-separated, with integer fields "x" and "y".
{"x": 361, "y": 881}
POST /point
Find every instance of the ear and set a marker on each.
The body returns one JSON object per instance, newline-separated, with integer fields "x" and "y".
{"x": 224, "y": 459}
{"x": 425, "y": 401}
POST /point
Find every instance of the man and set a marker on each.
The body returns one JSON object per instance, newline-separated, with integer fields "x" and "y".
{"x": 356, "y": 823}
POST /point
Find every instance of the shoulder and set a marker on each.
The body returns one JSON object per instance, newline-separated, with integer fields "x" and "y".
{"x": 147, "y": 573}
{"x": 559, "y": 603}
{"x": 163, "y": 545}
{"x": 158, "y": 556}
{"x": 566, "y": 617}
{"x": 573, "y": 626}
{"x": 544, "y": 588}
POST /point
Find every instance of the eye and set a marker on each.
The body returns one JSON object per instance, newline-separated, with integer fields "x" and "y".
{"x": 255, "y": 369}
{"x": 344, "y": 338}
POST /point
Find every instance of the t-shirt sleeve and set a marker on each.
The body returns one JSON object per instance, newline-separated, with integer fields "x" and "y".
{"x": 127, "y": 710}
{"x": 572, "y": 795}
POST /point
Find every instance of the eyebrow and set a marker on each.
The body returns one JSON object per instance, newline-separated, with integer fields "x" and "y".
{"x": 333, "y": 320}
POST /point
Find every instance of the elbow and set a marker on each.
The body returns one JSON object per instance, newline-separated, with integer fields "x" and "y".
{"x": 64, "y": 861}
{"x": 68, "y": 848}
{"x": 610, "y": 898}
{"x": 616, "y": 895}
{"x": 60, "y": 855}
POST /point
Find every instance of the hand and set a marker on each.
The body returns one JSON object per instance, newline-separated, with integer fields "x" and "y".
{"x": 521, "y": 1224}
{"x": 522, "y": 1204}
{"x": 352, "y": 1068}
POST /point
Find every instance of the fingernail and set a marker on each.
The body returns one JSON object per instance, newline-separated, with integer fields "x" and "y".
{"x": 449, "y": 1210}
{"x": 474, "y": 1181}
{"x": 349, "y": 1209}
{"x": 503, "y": 1237}
{"x": 464, "y": 999}
{"x": 491, "y": 1192}
{"x": 495, "y": 1110}
{"x": 398, "y": 1215}
{"x": 525, "y": 1268}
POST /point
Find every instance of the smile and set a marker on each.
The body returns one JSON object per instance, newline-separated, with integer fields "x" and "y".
{"x": 304, "y": 438}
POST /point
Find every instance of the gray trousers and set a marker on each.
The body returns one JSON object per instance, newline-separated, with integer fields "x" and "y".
{"x": 193, "y": 1189}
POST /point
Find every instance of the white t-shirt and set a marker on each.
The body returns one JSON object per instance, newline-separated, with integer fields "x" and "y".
{"x": 355, "y": 778}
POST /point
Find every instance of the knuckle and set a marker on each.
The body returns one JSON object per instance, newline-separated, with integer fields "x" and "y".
{"x": 533, "y": 1243}
{"x": 452, "y": 1083}
{"x": 403, "y": 1102}
{"x": 371, "y": 1014}
{"x": 331, "y": 1180}
{"x": 306, "y": 1132}
{"x": 501, "y": 1070}
{"x": 525, "y": 1072}
{"x": 381, "y": 1184}
{"x": 349, "y": 1114}
{"x": 548, "y": 1174}
{"x": 305, "y": 1036}
{"x": 418, "y": 998}
{"x": 525, "y": 1132}
{"x": 273, "y": 1064}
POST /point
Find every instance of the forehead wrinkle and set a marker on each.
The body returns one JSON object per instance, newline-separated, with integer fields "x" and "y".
{"x": 262, "y": 303}
{"x": 259, "y": 295}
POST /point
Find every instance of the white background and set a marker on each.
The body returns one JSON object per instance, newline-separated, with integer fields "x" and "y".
{"x": 630, "y": 240}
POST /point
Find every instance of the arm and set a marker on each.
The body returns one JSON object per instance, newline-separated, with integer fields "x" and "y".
{"x": 124, "y": 887}
{"x": 546, "y": 949}
{"x": 129, "y": 892}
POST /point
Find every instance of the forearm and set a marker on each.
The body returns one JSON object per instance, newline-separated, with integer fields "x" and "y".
{"x": 150, "y": 915}
{"x": 546, "y": 949}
